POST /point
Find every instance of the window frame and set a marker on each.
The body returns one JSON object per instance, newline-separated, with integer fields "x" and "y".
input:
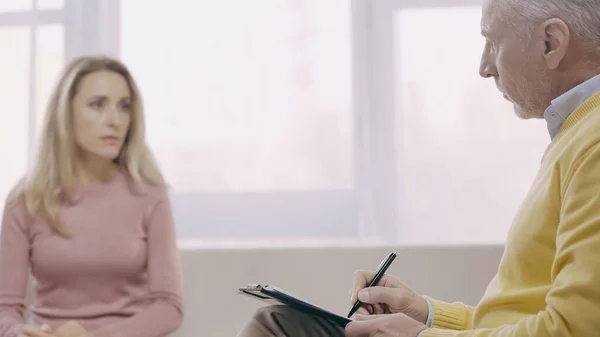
{"x": 92, "y": 26}
{"x": 373, "y": 168}
{"x": 80, "y": 20}
{"x": 376, "y": 173}
{"x": 382, "y": 71}
{"x": 32, "y": 18}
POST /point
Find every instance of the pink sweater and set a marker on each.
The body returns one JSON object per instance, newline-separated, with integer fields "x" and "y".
{"x": 119, "y": 276}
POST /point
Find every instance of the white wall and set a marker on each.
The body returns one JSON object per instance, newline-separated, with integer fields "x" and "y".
{"x": 322, "y": 276}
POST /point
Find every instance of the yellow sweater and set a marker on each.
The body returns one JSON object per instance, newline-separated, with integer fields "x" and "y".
{"x": 548, "y": 282}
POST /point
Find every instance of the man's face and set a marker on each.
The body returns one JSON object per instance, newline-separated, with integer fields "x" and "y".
{"x": 515, "y": 62}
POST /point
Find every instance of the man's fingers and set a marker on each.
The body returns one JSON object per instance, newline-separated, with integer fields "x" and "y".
{"x": 358, "y": 329}
{"x": 379, "y": 308}
{"x": 362, "y": 311}
{"x": 384, "y": 295}
{"x": 365, "y": 309}
{"x": 362, "y": 278}
{"x": 371, "y": 309}
{"x": 360, "y": 281}
{"x": 367, "y": 317}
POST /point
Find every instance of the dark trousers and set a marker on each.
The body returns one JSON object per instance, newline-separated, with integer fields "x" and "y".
{"x": 283, "y": 321}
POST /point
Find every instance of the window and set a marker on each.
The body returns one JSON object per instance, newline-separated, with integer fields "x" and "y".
{"x": 464, "y": 160}
{"x": 50, "y": 4}
{"x": 29, "y": 64}
{"x": 249, "y": 113}
{"x": 295, "y": 119}
{"x": 49, "y": 61}
{"x": 16, "y": 5}
{"x": 14, "y": 104}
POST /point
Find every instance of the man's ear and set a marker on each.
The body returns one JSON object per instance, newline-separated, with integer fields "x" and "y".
{"x": 556, "y": 36}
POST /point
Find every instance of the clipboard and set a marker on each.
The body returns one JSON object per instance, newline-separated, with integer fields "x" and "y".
{"x": 274, "y": 295}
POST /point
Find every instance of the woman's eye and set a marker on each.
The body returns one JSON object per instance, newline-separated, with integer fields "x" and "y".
{"x": 126, "y": 106}
{"x": 96, "y": 104}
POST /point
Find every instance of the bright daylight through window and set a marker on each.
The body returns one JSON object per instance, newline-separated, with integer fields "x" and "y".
{"x": 266, "y": 116}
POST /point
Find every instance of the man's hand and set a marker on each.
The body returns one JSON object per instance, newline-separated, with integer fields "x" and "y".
{"x": 71, "y": 329}
{"x": 390, "y": 296}
{"x": 395, "y": 325}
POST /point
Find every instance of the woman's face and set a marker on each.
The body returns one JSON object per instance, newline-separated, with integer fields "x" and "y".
{"x": 101, "y": 111}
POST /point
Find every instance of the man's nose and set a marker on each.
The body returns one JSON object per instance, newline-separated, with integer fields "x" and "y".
{"x": 486, "y": 68}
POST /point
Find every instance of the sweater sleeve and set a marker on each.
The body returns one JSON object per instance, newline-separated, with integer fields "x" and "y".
{"x": 573, "y": 302}
{"x": 164, "y": 316}
{"x": 14, "y": 270}
{"x": 453, "y": 316}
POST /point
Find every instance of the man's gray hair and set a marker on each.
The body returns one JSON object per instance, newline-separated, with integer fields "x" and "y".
{"x": 582, "y": 17}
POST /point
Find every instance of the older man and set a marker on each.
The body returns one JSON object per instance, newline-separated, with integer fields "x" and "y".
{"x": 545, "y": 58}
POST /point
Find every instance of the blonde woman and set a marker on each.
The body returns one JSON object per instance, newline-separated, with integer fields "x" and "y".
{"x": 91, "y": 220}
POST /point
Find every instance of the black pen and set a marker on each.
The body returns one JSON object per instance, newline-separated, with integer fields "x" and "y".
{"x": 378, "y": 275}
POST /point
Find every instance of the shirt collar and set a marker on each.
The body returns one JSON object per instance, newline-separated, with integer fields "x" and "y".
{"x": 561, "y": 107}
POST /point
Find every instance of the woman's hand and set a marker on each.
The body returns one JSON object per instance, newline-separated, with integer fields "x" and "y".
{"x": 70, "y": 329}
{"x": 33, "y": 331}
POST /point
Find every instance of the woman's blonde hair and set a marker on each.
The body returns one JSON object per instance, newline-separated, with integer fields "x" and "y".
{"x": 53, "y": 176}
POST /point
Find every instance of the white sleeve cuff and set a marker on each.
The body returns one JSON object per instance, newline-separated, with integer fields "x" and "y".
{"x": 429, "y": 315}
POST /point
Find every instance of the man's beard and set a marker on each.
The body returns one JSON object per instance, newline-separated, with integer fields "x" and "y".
{"x": 535, "y": 95}
{"x": 527, "y": 112}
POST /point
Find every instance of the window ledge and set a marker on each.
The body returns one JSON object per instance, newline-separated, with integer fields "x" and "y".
{"x": 302, "y": 243}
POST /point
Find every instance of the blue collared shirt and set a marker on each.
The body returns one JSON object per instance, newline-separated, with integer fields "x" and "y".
{"x": 561, "y": 107}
